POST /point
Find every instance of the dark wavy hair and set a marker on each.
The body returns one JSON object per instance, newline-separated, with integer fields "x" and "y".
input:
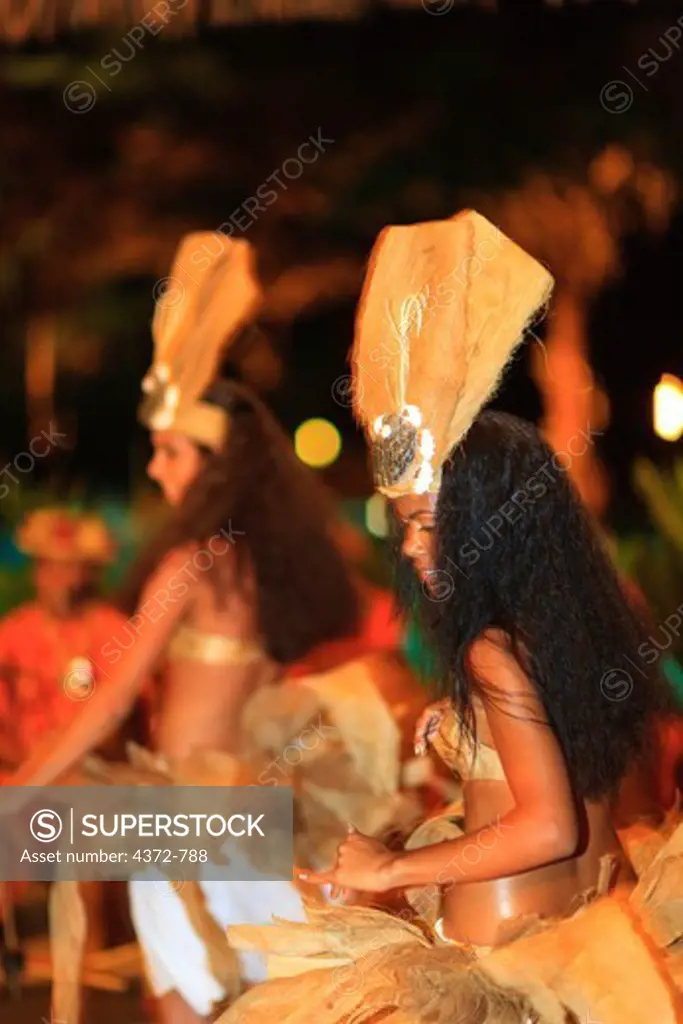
{"x": 281, "y": 517}
{"x": 516, "y": 551}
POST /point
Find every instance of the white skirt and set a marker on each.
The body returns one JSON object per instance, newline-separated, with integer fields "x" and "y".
{"x": 175, "y": 957}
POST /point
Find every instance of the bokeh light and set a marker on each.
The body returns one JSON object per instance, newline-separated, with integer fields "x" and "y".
{"x": 376, "y": 517}
{"x": 318, "y": 443}
{"x": 667, "y": 403}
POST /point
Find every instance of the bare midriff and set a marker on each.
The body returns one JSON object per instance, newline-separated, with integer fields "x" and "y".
{"x": 491, "y": 912}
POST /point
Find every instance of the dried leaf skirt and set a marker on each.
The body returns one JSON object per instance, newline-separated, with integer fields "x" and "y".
{"x": 616, "y": 961}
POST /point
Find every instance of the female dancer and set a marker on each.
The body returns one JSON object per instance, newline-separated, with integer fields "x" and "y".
{"x": 544, "y": 712}
{"x": 244, "y": 581}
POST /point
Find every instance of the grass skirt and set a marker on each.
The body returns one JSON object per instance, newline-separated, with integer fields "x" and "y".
{"x": 617, "y": 960}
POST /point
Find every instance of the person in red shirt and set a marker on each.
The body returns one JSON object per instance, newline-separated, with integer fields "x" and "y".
{"x": 50, "y": 660}
{"x": 49, "y": 647}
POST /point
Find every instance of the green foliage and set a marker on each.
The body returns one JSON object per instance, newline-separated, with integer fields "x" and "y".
{"x": 655, "y": 560}
{"x": 30, "y": 72}
{"x": 15, "y": 587}
{"x": 663, "y": 495}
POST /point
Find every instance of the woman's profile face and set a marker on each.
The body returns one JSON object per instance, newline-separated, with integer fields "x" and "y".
{"x": 416, "y": 515}
{"x": 175, "y": 463}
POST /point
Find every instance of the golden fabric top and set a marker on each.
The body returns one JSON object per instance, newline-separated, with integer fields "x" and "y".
{"x": 470, "y": 760}
{"x": 213, "y": 648}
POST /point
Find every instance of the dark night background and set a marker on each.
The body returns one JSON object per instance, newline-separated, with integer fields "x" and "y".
{"x": 428, "y": 113}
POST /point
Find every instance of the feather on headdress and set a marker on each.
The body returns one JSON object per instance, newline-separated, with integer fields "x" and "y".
{"x": 211, "y": 295}
{"x": 444, "y": 306}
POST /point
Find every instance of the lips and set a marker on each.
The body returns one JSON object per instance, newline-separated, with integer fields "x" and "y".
{"x": 421, "y": 569}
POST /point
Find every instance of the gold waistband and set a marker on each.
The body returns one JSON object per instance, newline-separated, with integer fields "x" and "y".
{"x": 212, "y": 648}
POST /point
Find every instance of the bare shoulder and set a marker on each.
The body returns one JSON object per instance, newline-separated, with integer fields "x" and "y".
{"x": 199, "y": 560}
{"x": 492, "y": 660}
{"x": 177, "y": 570}
{"x": 178, "y": 557}
{"x": 495, "y": 665}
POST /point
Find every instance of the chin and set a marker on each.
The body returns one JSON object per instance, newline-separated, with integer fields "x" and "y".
{"x": 429, "y": 578}
{"x": 423, "y": 576}
{"x": 170, "y": 495}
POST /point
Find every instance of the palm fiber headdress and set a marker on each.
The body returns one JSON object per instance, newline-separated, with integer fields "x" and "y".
{"x": 444, "y": 306}
{"x": 207, "y": 302}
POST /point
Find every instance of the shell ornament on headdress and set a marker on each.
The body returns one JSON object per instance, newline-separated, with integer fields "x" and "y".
{"x": 162, "y": 396}
{"x": 444, "y": 306}
{"x": 211, "y": 295}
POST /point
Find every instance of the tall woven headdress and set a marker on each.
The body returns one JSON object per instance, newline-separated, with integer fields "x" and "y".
{"x": 444, "y": 306}
{"x": 211, "y": 295}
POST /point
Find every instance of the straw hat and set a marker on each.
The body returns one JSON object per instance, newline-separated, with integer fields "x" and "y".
{"x": 64, "y": 536}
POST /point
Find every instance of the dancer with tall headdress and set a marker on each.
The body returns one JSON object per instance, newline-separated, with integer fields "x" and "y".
{"x": 523, "y": 906}
{"x": 243, "y": 582}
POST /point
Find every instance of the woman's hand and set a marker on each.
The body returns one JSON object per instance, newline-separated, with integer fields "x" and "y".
{"x": 363, "y": 864}
{"x": 428, "y": 725}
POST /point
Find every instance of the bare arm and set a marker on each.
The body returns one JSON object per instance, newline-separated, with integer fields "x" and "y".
{"x": 110, "y": 703}
{"x": 542, "y": 827}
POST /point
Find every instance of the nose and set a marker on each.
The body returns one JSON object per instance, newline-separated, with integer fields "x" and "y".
{"x": 411, "y": 547}
{"x": 153, "y": 467}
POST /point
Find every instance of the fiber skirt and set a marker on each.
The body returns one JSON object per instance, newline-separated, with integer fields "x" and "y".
{"x": 617, "y": 960}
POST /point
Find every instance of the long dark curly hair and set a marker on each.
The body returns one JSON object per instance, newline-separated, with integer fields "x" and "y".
{"x": 258, "y": 491}
{"x": 516, "y": 551}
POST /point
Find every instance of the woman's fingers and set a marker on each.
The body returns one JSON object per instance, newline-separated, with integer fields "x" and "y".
{"x": 427, "y": 726}
{"x": 433, "y": 724}
{"x": 324, "y": 878}
{"x": 421, "y": 732}
{"x": 316, "y": 877}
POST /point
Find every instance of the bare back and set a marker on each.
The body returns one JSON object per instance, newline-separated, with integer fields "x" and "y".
{"x": 489, "y": 912}
{"x": 203, "y": 697}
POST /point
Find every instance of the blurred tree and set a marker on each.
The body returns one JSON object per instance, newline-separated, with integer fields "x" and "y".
{"x": 107, "y": 161}
{"x": 575, "y": 228}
